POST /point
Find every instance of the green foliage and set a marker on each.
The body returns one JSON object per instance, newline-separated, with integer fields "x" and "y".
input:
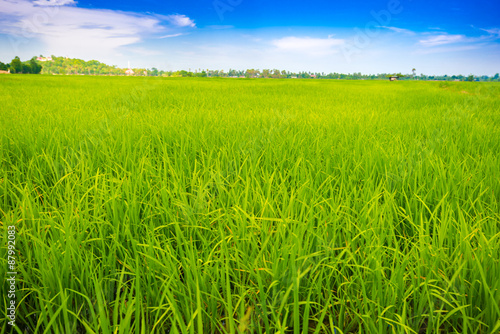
{"x": 35, "y": 67}
{"x": 74, "y": 66}
{"x": 397, "y": 75}
{"x": 154, "y": 72}
{"x": 192, "y": 205}
{"x": 27, "y": 67}
{"x": 16, "y": 65}
{"x": 64, "y": 65}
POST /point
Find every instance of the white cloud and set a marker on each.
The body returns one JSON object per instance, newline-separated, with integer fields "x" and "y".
{"x": 447, "y": 49}
{"x": 442, "y": 40}
{"x": 65, "y": 29}
{"x": 493, "y": 31}
{"x": 54, "y": 2}
{"x": 398, "y": 30}
{"x": 316, "y": 46}
{"x": 180, "y": 20}
{"x": 170, "y": 36}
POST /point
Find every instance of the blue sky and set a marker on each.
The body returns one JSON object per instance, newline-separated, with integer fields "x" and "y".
{"x": 435, "y": 37}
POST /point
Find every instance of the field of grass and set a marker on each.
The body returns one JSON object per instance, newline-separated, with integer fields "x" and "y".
{"x": 151, "y": 205}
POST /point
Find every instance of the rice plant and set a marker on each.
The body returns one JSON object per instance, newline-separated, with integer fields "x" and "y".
{"x": 183, "y": 205}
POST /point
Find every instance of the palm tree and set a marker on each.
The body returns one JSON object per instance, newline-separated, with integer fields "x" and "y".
{"x": 413, "y": 70}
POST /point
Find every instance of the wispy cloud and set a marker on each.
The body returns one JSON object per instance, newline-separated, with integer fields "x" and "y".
{"x": 54, "y": 2}
{"x": 442, "y": 40}
{"x": 180, "y": 20}
{"x": 309, "y": 45}
{"x": 493, "y": 31}
{"x": 65, "y": 29}
{"x": 170, "y": 36}
{"x": 447, "y": 49}
{"x": 398, "y": 30}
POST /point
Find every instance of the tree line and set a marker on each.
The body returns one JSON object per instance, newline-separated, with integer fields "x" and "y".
{"x": 26, "y": 67}
{"x": 282, "y": 74}
{"x": 74, "y": 66}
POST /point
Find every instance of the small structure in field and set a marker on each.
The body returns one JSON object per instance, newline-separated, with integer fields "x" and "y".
{"x": 393, "y": 78}
{"x": 5, "y": 72}
{"x": 129, "y": 71}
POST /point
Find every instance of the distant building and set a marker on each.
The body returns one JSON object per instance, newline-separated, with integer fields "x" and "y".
{"x": 313, "y": 76}
{"x": 5, "y": 72}
{"x": 393, "y": 78}
{"x": 129, "y": 71}
{"x": 44, "y": 58}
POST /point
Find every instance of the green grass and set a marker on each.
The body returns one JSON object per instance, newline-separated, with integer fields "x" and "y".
{"x": 150, "y": 205}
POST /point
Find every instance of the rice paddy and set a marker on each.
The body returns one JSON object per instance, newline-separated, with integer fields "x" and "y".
{"x": 202, "y": 205}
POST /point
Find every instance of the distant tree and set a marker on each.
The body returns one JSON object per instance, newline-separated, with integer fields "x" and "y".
{"x": 470, "y": 78}
{"x": 16, "y": 65}
{"x": 35, "y": 67}
{"x": 154, "y": 71}
{"x": 250, "y": 73}
{"x": 26, "y": 68}
{"x": 496, "y": 77}
{"x": 3, "y": 67}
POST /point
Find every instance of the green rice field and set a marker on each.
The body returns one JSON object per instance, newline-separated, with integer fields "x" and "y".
{"x": 205, "y": 205}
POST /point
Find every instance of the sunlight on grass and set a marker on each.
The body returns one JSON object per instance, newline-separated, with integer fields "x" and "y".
{"x": 221, "y": 206}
